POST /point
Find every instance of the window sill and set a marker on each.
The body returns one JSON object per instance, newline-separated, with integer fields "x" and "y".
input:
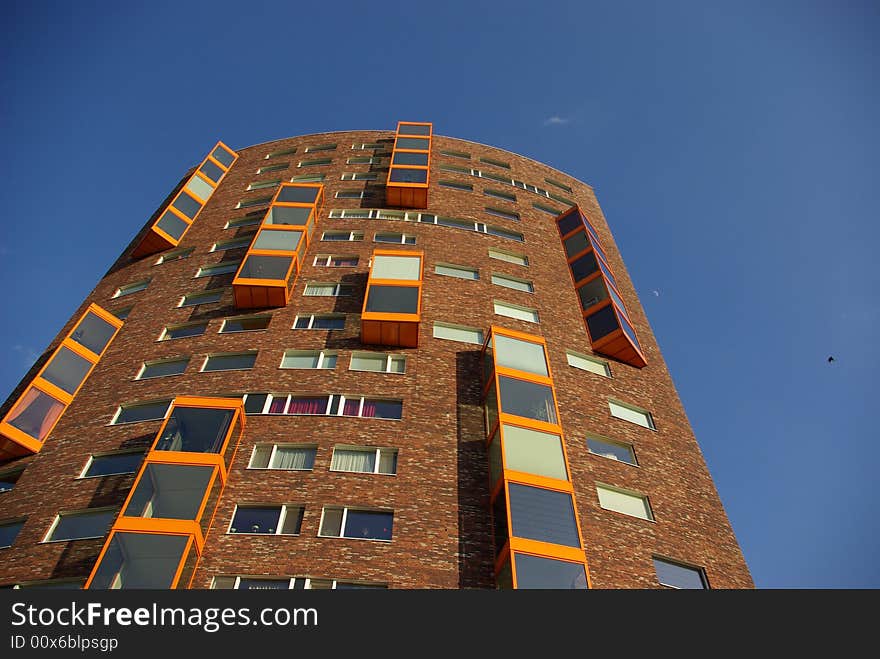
{"x": 55, "y": 542}
{"x": 345, "y": 537}
{"x": 270, "y": 535}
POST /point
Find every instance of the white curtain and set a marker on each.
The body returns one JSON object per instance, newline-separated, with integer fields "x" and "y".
{"x": 293, "y": 458}
{"x": 353, "y": 460}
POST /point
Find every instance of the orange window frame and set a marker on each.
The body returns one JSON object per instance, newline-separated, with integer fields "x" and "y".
{"x": 15, "y": 442}
{"x": 156, "y": 240}
{"x": 379, "y": 323}
{"x": 190, "y": 545}
{"x": 417, "y": 196}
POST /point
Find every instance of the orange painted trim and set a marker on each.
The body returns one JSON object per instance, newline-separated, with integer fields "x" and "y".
{"x": 187, "y": 548}
{"x": 543, "y": 482}
{"x": 25, "y": 441}
{"x": 581, "y": 562}
{"x": 547, "y": 549}
{"x": 391, "y": 317}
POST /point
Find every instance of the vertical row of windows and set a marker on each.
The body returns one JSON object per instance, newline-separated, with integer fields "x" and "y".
{"x": 408, "y": 174}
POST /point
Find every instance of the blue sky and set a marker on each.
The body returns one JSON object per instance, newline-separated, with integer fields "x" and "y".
{"x": 733, "y": 148}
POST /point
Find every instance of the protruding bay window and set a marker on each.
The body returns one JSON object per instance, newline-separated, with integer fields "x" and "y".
{"x": 393, "y": 302}
{"x": 408, "y": 172}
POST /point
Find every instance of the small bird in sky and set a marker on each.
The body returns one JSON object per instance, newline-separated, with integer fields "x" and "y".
{"x": 656, "y": 293}
{"x": 830, "y": 359}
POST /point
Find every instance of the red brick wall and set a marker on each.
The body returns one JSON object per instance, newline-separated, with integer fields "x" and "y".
{"x": 442, "y": 534}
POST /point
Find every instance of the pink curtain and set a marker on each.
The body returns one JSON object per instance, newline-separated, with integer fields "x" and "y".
{"x": 307, "y": 406}
{"x": 277, "y": 405}
{"x": 351, "y": 407}
{"x": 36, "y": 413}
{"x": 369, "y": 409}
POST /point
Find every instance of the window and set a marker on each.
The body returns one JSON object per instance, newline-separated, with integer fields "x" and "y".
{"x": 183, "y": 331}
{"x": 267, "y": 520}
{"x": 308, "y": 178}
{"x": 497, "y": 163}
{"x": 455, "y": 185}
{"x": 624, "y": 501}
{"x": 245, "y": 221}
{"x": 9, "y": 532}
{"x": 256, "y": 201}
{"x": 203, "y": 297}
{"x": 315, "y": 162}
{"x": 128, "y": 289}
{"x": 458, "y": 333}
{"x": 543, "y": 515}
{"x": 342, "y": 235}
{"x": 359, "y": 176}
{"x": 273, "y": 168}
{"x": 293, "y": 457}
{"x": 398, "y": 238}
{"x": 283, "y": 152}
{"x": 547, "y": 573}
{"x": 122, "y": 314}
{"x": 241, "y": 361}
{"x": 320, "y": 147}
{"x": 8, "y": 478}
{"x": 459, "y": 271}
{"x": 456, "y": 154}
{"x": 327, "y": 290}
{"x": 559, "y": 185}
{"x": 244, "y": 324}
{"x": 222, "y": 268}
{"x": 320, "y": 359}
{"x": 175, "y": 255}
{"x": 427, "y": 218}
{"x": 81, "y": 524}
{"x": 510, "y": 257}
{"x": 113, "y": 463}
{"x": 498, "y": 194}
{"x": 677, "y": 575}
{"x": 335, "y": 261}
{"x": 631, "y": 414}
{"x": 379, "y": 362}
{"x": 514, "y": 311}
{"x": 514, "y": 283}
{"x": 362, "y": 160}
{"x": 320, "y": 322}
{"x": 367, "y": 146}
{"x": 235, "y": 243}
{"x": 135, "y": 412}
{"x": 507, "y": 215}
{"x": 364, "y": 460}
{"x": 546, "y": 209}
{"x": 533, "y": 452}
{"x": 612, "y": 450}
{"x": 163, "y": 368}
{"x": 350, "y": 194}
{"x": 353, "y": 523}
{"x": 286, "y": 583}
{"x": 326, "y": 405}
{"x": 262, "y": 185}
{"x": 527, "y": 399}
{"x": 591, "y": 364}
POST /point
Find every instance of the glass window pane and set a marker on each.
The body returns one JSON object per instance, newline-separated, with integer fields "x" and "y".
{"x": 169, "y": 491}
{"x": 631, "y": 415}
{"x": 520, "y": 355}
{"x": 248, "y": 324}
{"x": 583, "y": 267}
{"x": 140, "y": 560}
{"x": 263, "y": 584}
{"x": 294, "y": 215}
{"x": 196, "y": 430}
{"x": 612, "y": 450}
{"x": 35, "y": 413}
{"x": 172, "y": 225}
{"x": 239, "y": 362}
{"x": 211, "y": 170}
{"x": 456, "y": 271}
{"x": 414, "y": 129}
{"x": 387, "y": 461}
{"x": 368, "y": 524}
{"x": 495, "y": 459}
{"x": 454, "y": 333}
{"x": 544, "y": 515}
{"x": 592, "y": 293}
{"x": 121, "y": 463}
{"x": 294, "y": 457}
{"x": 300, "y": 359}
{"x": 412, "y": 143}
{"x": 187, "y": 204}
{"x": 9, "y": 532}
{"x": 280, "y": 240}
{"x": 9, "y": 479}
{"x": 258, "y": 266}
{"x": 67, "y": 370}
{"x": 72, "y": 526}
{"x": 366, "y": 362}
{"x": 254, "y": 403}
{"x": 576, "y": 244}
{"x": 527, "y": 399}
{"x": 516, "y": 284}
{"x": 408, "y": 175}
{"x": 518, "y": 259}
{"x": 328, "y": 322}
{"x": 393, "y": 299}
{"x": 293, "y": 516}
{"x": 93, "y": 333}
{"x": 255, "y": 519}
{"x": 331, "y": 522}
{"x": 298, "y": 194}
{"x": 199, "y": 187}
{"x": 520, "y": 313}
{"x": 143, "y": 412}
{"x": 260, "y": 457}
{"x": 588, "y": 364}
{"x": 406, "y": 158}
{"x": 163, "y": 369}
{"x": 184, "y": 331}
{"x": 602, "y": 323}
{"x": 534, "y": 452}
{"x": 398, "y": 365}
{"x": 569, "y": 223}
{"x": 539, "y": 572}
{"x": 357, "y": 460}
{"x": 383, "y": 409}
{"x": 207, "y": 297}
{"x": 222, "y": 156}
{"x": 679, "y": 576}
{"x": 625, "y": 503}
{"x": 407, "y": 268}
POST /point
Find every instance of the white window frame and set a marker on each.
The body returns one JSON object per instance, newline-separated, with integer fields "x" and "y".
{"x": 359, "y": 176}
{"x": 600, "y": 363}
{"x": 256, "y": 201}
{"x": 345, "y": 510}
{"x": 225, "y": 267}
{"x": 274, "y": 452}
{"x": 119, "y": 409}
{"x": 404, "y": 238}
{"x": 177, "y": 254}
{"x": 464, "y": 328}
{"x": 606, "y": 440}
{"x": 334, "y": 401}
{"x": 377, "y": 450}
{"x": 225, "y": 320}
{"x": 312, "y": 317}
{"x": 278, "y": 154}
{"x": 273, "y": 168}
{"x": 281, "y": 518}
{"x": 164, "y": 335}
{"x": 517, "y": 280}
{"x": 153, "y": 362}
{"x": 367, "y": 146}
{"x": 199, "y": 294}
{"x": 264, "y": 185}
{"x": 324, "y": 260}
{"x": 339, "y": 289}
{"x": 353, "y": 236}
{"x": 321, "y": 147}
{"x": 315, "y": 162}
{"x": 321, "y": 354}
{"x": 649, "y": 418}
{"x": 630, "y": 493}
{"x": 390, "y": 357}
{"x": 80, "y": 511}
{"x": 255, "y": 353}
{"x": 350, "y": 194}
{"x": 122, "y": 291}
{"x": 496, "y": 304}
{"x": 107, "y": 454}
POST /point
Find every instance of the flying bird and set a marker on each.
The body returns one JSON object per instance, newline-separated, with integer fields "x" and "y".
{"x": 830, "y": 359}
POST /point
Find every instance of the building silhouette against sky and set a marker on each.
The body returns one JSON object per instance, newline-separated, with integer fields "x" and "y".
{"x": 361, "y": 359}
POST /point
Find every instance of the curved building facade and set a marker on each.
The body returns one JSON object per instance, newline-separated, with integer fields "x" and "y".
{"x": 355, "y": 359}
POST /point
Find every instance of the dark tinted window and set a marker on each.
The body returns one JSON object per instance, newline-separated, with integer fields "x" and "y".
{"x": 569, "y": 223}
{"x": 602, "y": 323}
{"x": 184, "y": 331}
{"x": 406, "y": 158}
{"x": 409, "y": 175}
{"x": 254, "y": 403}
{"x": 576, "y": 244}
{"x": 121, "y": 463}
{"x": 9, "y": 479}
{"x": 163, "y": 369}
{"x": 187, "y": 205}
{"x": 246, "y": 324}
{"x": 297, "y": 194}
{"x": 145, "y": 412}
{"x": 170, "y": 491}
{"x": 9, "y": 532}
{"x": 67, "y": 370}
{"x": 411, "y": 143}
{"x": 230, "y": 362}
{"x": 211, "y": 170}
{"x": 583, "y": 267}
{"x": 545, "y": 515}
{"x": 222, "y": 156}
{"x": 368, "y": 524}
{"x": 393, "y": 299}
{"x": 83, "y": 525}
{"x": 679, "y": 576}
{"x": 256, "y": 520}
{"x": 172, "y": 225}
{"x": 537, "y": 572}
{"x": 194, "y": 429}
{"x": 528, "y": 399}
{"x": 93, "y": 333}
{"x": 413, "y": 129}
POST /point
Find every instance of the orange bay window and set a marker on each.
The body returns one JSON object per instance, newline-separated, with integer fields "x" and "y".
{"x": 175, "y": 220}
{"x": 537, "y": 534}
{"x": 393, "y": 302}
{"x": 605, "y": 316}
{"x": 160, "y": 532}
{"x": 29, "y": 421}
{"x": 408, "y": 173}
{"x": 275, "y": 257}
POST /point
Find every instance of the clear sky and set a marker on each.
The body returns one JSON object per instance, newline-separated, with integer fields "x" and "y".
{"x": 733, "y": 147}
